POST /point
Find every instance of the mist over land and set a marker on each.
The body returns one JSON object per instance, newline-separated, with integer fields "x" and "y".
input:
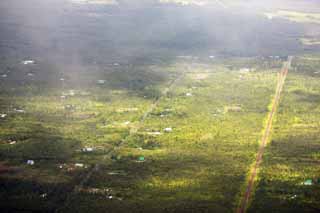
{"x": 141, "y": 106}
{"x": 97, "y": 33}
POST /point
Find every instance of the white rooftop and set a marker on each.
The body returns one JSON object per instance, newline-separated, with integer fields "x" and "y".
{"x": 26, "y": 62}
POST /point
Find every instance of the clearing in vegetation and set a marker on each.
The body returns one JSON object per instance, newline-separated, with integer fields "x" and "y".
{"x": 254, "y": 171}
{"x": 289, "y": 178}
{"x": 188, "y": 154}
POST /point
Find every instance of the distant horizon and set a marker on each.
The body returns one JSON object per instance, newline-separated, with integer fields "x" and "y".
{"x": 164, "y": 106}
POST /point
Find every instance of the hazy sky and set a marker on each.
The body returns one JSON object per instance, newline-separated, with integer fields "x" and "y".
{"x": 80, "y": 33}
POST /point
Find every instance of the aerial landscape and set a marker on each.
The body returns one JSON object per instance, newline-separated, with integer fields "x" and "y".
{"x": 161, "y": 106}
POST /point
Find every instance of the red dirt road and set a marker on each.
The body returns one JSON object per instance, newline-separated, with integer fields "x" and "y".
{"x": 253, "y": 174}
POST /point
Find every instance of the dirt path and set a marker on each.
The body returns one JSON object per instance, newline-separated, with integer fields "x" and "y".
{"x": 133, "y": 130}
{"x": 253, "y": 173}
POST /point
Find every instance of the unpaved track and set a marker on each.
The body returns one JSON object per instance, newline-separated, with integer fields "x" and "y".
{"x": 133, "y": 130}
{"x": 253, "y": 173}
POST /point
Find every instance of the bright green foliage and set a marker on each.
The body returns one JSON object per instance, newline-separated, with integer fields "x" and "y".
{"x": 290, "y": 170}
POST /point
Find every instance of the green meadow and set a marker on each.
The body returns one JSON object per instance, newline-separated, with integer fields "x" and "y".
{"x": 181, "y": 140}
{"x": 162, "y": 106}
{"x": 289, "y": 177}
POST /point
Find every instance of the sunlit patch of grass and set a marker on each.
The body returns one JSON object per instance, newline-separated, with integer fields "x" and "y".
{"x": 292, "y": 156}
{"x": 286, "y": 174}
{"x": 199, "y": 156}
{"x": 171, "y": 183}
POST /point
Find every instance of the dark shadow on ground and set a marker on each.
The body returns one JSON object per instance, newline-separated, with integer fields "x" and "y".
{"x": 38, "y": 143}
{"x": 25, "y": 195}
{"x": 295, "y": 154}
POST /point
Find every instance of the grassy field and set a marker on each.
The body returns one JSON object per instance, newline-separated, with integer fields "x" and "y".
{"x": 157, "y": 105}
{"x": 289, "y": 180}
{"x": 190, "y": 151}
{"x": 173, "y": 138}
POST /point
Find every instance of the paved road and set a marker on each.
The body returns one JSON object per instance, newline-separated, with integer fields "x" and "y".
{"x": 254, "y": 171}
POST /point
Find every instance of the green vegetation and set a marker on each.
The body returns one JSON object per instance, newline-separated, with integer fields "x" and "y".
{"x": 157, "y": 105}
{"x": 191, "y": 151}
{"x": 164, "y": 138}
{"x": 289, "y": 180}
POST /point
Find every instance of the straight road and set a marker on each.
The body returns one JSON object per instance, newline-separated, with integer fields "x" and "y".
{"x": 265, "y": 138}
